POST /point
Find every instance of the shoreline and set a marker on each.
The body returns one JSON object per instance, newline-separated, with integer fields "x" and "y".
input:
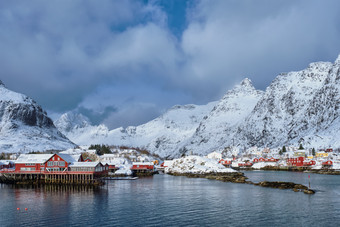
{"x": 292, "y": 169}
{"x": 239, "y": 177}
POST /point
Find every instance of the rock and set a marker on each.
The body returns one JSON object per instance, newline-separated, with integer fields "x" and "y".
{"x": 282, "y": 185}
{"x": 309, "y": 191}
{"x": 300, "y": 186}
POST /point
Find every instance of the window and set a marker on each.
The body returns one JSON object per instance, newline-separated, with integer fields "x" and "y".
{"x": 49, "y": 163}
{"x": 56, "y": 163}
{"x": 61, "y": 163}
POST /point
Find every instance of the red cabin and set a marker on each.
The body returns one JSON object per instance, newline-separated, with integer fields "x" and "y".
{"x": 225, "y": 162}
{"x": 328, "y": 163}
{"x": 32, "y": 162}
{"x": 6, "y": 164}
{"x": 329, "y": 150}
{"x": 295, "y": 161}
{"x": 255, "y": 160}
{"x": 272, "y": 159}
{"x": 245, "y": 164}
{"x": 142, "y": 166}
{"x": 261, "y": 159}
{"x": 249, "y": 164}
{"x": 59, "y": 162}
{"x": 309, "y": 163}
{"x": 43, "y": 163}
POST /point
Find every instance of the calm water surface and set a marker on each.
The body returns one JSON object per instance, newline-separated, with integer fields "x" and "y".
{"x": 165, "y": 200}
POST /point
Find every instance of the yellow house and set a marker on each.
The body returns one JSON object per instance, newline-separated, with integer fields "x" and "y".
{"x": 300, "y": 153}
{"x": 321, "y": 154}
{"x": 310, "y": 157}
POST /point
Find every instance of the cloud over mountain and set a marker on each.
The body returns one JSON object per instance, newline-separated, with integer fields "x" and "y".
{"x": 64, "y": 53}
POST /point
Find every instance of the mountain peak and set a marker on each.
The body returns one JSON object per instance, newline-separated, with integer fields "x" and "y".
{"x": 2, "y": 84}
{"x": 337, "y": 61}
{"x": 246, "y": 83}
{"x": 245, "y": 86}
{"x": 71, "y": 120}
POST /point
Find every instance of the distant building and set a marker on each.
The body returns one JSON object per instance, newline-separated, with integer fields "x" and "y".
{"x": 300, "y": 153}
{"x": 298, "y": 161}
{"x": 321, "y": 154}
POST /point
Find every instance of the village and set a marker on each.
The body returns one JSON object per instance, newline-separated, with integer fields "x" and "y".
{"x": 290, "y": 158}
{"x": 86, "y": 166}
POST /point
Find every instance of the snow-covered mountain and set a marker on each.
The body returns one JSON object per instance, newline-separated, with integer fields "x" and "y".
{"x": 25, "y": 126}
{"x": 218, "y": 129}
{"x": 160, "y": 136}
{"x": 297, "y": 107}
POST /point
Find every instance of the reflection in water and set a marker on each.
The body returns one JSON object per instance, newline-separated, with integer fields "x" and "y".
{"x": 167, "y": 200}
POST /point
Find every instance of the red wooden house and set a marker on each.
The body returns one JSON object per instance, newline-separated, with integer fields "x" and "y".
{"x": 59, "y": 163}
{"x": 272, "y": 159}
{"x": 32, "y": 162}
{"x": 245, "y": 164}
{"x": 6, "y": 164}
{"x": 327, "y": 164}
{"x": 295, "y": 161}
{"x": 309, "y": 163}
{"x": 110, "y": 167}
{"x": 142, "y": 166}
{"x": 226, "y": 163}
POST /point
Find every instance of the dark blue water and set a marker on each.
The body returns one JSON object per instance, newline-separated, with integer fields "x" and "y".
{"x": 165, "y": 200}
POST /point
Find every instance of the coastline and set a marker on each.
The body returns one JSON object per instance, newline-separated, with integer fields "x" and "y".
{"x": 239, "y": 177}
{"x": 291, "y": 169}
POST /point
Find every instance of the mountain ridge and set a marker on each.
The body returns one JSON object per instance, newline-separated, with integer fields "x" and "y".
{"x": 25, "y": 126}
{"x": 297, "y": 107}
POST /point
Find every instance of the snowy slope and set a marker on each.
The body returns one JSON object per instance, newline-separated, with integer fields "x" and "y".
{"x": 25, "y": 127}
{"x": 297, "y": 107}
{"x": 160, "y": 136}
{"x": 322, "y": 115}
{"x": 283, "y": 115}
{"x": 196, "y": 165}
{"x": 218, "y": 129}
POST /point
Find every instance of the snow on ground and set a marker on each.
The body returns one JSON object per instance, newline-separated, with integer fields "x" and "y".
{"x": 336, "y": 165}
{"x": 260, "y": 165}
{"x": 127, "y": 172}
{"x": 196, "y": 165}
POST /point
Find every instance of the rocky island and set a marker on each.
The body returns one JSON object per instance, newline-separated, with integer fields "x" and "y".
{"x": 201, "y": 167}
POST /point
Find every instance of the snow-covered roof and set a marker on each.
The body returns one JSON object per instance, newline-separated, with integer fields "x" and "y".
{"x": 85, "y": 164}
{"x": 69, "y": 158}
{"x": 142, "y": 163}
{"x": 6, "y": 162}
{"x": 109, "y": 163}
{"x": 108, "y": 155}
{"x": 33, "y": 158}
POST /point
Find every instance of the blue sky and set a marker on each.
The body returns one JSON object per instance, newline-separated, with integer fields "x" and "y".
{"x": 125, "y": 62}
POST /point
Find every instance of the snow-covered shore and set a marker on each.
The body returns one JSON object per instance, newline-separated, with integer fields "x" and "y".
{"x": 196, "y": 165}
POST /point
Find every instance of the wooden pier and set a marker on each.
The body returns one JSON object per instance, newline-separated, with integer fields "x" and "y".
{"x": 72, "y": 178}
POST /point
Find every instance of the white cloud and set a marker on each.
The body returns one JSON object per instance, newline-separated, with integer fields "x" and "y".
{"x": 105, "y": 55}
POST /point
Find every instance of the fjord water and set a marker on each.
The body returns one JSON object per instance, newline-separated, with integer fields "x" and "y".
{"x": 165, "y": 200}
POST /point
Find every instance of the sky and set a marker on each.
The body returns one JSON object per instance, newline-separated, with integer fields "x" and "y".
{"x": 125, "y": 62}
